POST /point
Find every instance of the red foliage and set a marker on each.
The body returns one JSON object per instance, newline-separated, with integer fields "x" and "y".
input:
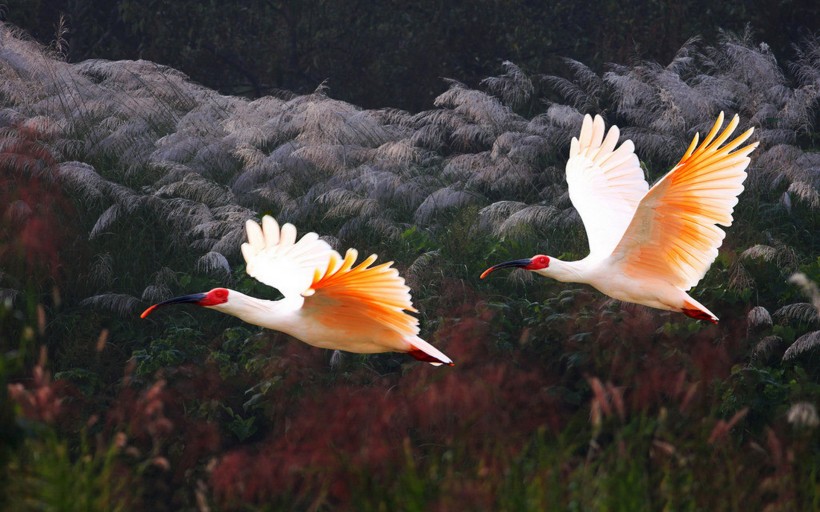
{"x": 155, "y": 419}
{"x": 40, "y": 399}
{"x": 31, "y": 222}
{"x": 329, "y": 440}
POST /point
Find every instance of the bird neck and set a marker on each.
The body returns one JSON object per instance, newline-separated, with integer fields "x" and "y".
{"x": 565, "y": 271}
{"x": 272, "y": 314}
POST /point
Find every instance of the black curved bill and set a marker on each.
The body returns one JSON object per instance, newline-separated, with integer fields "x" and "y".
{"x": 193, "y": 298}
{"x": 525, "y": 262}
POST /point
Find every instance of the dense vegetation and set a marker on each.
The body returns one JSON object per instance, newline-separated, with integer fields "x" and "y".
{"x": 124, "y": 183}
{"x": 389, "y": 53}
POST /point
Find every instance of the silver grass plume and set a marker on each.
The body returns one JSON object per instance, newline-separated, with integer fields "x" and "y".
{"x": 102, "y": 270}
{"x": 214, "y": 263}
{"x": 803, "y": 415}
{"x": 768, "y": 350}
{"x": 341, "y": 203}
{"x": 514, "y": 87}
{"x": 441, "y": 201}
{"x": 809, "y": 288}
{"x": 758, "y": 319}
{"x": 800, "y": 312}
{"x": 782, "y": 255}
{"x": 160, "y": 289}
{"x": 477, "y": 107}
{"x": 120, "y": 303}
{"x": 418, "y": 273}
{"x": 807, "y": 65}
{"x": 583, "y": 91}
{"x": 804, "y": 345}
{"x": 509, "y": 218}
{"x": 105, "y": 221}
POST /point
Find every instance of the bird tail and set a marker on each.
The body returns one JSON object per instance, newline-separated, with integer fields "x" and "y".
{"x": 695, "y": 309}
{"x": 423, "y": 351}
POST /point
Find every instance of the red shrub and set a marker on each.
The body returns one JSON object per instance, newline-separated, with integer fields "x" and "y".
{"x": 39, "y": 399}
{"x": 34, "y": 207}
{"x": 332, "y": 439}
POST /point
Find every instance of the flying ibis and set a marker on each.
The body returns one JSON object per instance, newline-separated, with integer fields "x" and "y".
{"x": 328, "y": 302}
{"x": 648, "y": 245}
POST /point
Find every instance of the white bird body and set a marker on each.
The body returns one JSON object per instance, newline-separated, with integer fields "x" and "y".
{"x": 601, "y": 275}
{"x": 290, "y": 317}
{"x": 328, "y": 303}
{"x": 648, "y": 245}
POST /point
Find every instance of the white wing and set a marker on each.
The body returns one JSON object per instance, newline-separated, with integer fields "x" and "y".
{"x": 605, "y": 184}
{"x": 274, "y": 257}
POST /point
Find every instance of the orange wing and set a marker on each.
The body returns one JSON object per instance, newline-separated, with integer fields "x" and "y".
{"x": 361, "y": 295}
{"x": 673, "y": 235}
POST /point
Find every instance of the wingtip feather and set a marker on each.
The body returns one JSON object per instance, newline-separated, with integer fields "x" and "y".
{"x": 254, "y": 232}
{"x": 270, "y": 228}
{"x": 586, "y": 132}
{"x": 287, "y": 235}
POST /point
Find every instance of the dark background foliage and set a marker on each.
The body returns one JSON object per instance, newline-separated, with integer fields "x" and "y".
{"x": 392, "y": 53}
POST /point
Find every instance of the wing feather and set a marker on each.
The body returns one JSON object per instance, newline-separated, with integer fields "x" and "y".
{"x": 274, "y": 257}
{"x": 674, "y": 235}
{"x": 361, "y": 295}
{"x": 605, "y": 184}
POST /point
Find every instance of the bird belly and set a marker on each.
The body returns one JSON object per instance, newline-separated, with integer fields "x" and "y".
{"x": 337, "y": 334}
{"x": 649, "y": 292}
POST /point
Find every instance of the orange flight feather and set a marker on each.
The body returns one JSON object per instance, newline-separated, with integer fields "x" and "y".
{"x": 358, "y": 296}
{"x": 673, "y": 235}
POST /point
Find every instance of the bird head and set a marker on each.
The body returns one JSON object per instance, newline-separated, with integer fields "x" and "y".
{"x": 537, "y": 262}
{"x": 212, "y": 298}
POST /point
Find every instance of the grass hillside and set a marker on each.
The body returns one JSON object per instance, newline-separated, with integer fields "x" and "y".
{"x": 124, "y": 184}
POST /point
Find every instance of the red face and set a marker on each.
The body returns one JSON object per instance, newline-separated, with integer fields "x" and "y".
{"x": 214, "y": 297}
{"x": 538, "y": 262}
